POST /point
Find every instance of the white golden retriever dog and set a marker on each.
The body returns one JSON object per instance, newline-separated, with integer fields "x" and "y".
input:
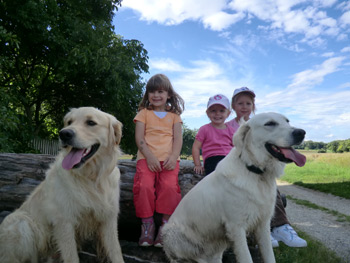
{"x": 78, "y": 200}
{"x": 237, "y": 198}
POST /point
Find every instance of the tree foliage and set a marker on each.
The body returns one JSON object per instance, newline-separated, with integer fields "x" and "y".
{"x": 55, "y": 55}
{"x": 337, "y": 146}
{"x": 188, "y": 136}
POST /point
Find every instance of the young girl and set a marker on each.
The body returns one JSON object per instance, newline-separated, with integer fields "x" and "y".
{"x": 243, "y": 103}
{"x": 158, "y": 135}
{"x": 215, "y": 138}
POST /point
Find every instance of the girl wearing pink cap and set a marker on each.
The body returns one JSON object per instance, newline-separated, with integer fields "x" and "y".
{"x": 214, "y": 138}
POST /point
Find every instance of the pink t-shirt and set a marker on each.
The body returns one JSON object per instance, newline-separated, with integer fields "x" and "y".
{"x": 234, "y": 124}
{"x": 215, "y": 141}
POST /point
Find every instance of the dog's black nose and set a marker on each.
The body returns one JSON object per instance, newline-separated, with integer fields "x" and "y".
{"x": 66, "y": 135}
{"x": 298, "y": 135}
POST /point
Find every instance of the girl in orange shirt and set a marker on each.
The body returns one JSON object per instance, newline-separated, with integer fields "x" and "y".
{"x": 158, "y": 135}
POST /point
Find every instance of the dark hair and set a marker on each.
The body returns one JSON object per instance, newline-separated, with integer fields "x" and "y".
{"x": 175, "y": 103}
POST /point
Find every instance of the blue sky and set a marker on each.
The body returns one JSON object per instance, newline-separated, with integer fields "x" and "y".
{"x": 295, "y": 55}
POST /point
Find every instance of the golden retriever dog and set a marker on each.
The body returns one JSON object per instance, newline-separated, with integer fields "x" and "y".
{"x": 237, "y": 198}
{"x": 78, "y": 200}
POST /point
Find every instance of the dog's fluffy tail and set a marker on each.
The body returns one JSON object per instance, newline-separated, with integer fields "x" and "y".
{"x": 20, "y": 239}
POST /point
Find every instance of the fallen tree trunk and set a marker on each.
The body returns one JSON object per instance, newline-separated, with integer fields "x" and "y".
{"x": 21, "y": 173}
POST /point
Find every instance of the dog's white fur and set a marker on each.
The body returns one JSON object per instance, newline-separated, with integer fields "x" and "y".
{"x": 232, "y": 201}
{"x": 70, "y": 206}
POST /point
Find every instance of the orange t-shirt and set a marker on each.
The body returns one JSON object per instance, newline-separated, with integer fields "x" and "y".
{"x": 159, "y": 132}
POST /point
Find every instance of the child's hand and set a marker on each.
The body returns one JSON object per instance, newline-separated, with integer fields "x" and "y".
{"x": 170, "y": 163}
{"x": 198, "y": 169}
{"x": 153, "y": 164}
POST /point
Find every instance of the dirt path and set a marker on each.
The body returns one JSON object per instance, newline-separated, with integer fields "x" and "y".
{"x": 320, "y": 225}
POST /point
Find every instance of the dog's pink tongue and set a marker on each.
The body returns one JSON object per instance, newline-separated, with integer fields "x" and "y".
{"x": 73, "y": 157}
{"x": 294, "y": 155}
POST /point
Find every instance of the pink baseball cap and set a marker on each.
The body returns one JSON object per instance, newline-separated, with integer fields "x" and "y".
{"x": 243, "y": 89}
{"x": 219, "y": 99}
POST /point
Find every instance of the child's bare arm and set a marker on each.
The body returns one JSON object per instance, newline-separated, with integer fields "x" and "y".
{"x": 170, "y": 162}
{"x": 196, "y": 147}
{"x": 152, "y": 162}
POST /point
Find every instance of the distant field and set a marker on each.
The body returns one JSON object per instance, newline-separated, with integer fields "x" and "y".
{"x": 125, "y": 157}
{"x": 326, "y": 172}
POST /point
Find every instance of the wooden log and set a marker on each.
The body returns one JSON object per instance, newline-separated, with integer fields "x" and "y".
{"x": 21, "y": 173}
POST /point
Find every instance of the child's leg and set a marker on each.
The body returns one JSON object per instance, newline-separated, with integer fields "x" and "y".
{"x": 168, "y": 197}
{"x": 144, "y": 190}
{"x": 168, "y": 191}
{"x": 144, "y": 201}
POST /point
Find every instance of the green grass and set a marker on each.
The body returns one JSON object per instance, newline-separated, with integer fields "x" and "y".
{"x": 325, "y": 172}
{"x": 314, "y": 252}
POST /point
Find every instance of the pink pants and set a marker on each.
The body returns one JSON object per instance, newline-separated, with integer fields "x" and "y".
{"x": 155, "y": 191}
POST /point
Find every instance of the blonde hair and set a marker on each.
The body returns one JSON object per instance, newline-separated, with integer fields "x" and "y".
{"x": 174, "y": 104}
{"x": 235, "y": 98}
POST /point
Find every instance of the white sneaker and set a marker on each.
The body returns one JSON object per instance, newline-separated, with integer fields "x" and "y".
{"x": 288, "y": 236}
{"x": 274, "y": 242}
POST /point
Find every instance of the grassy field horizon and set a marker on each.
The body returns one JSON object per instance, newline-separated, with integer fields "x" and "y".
{"x": 325, "y": 172}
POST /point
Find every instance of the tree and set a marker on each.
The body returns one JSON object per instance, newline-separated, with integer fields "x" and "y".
{"x": 188, "y": 136}
{"x": 55, "y": 55}
{"x": 333, "y": 146}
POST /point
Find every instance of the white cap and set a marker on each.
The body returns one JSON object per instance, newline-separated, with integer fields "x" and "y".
{"x": 219, "y": 99}
{"x": 243, "y": 89}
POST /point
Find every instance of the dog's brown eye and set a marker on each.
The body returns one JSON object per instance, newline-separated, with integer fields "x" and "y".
{"x": 91, "y": 123}
{"x": 271, "y": 123}
{"x": 69, "y": 122}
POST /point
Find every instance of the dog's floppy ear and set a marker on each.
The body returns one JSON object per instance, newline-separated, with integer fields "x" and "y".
{"x": 240, "y": 136}
{"x": 117, "y": 129}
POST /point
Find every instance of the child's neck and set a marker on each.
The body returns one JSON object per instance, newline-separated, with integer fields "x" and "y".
{"x": 159, "y": 108}
{"x": 220, "y": 126}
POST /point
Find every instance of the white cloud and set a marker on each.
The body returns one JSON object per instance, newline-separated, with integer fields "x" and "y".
{"x": 345, "y": 19}
{"x": 221, "y": 20}
{"x": 312, "y": 77}
{"x": 291, "y": 16}
{"x": 342, "y": 36}
{"x": 318, "y": 111}
{"x": 328, "y": 54}
{"x": 325, "y": 3}
{"x": 345, "y": 5}
{"x": 169, "y": 12}
{"x": 165, "y": 65}
{"x": 345, "y": 49}
{"x": 344, "y": 85}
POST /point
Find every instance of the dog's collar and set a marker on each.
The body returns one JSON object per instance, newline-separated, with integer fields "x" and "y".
{"x": 254, "y": 169}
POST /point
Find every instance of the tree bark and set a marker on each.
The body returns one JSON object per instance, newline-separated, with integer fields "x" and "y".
{"x": 21, "y": 173}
